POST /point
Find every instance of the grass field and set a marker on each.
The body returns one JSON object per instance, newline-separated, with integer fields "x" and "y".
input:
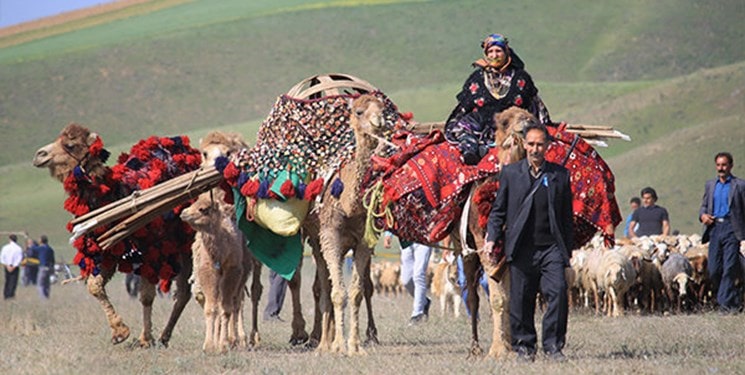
{"x": 68, "y": 334}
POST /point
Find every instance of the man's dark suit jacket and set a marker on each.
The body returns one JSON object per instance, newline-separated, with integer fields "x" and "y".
{"x": 736, "y": 203}
{"x": 505, "y": 221}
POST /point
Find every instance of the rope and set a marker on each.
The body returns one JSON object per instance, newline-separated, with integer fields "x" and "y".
{"x": 370, "y": 201}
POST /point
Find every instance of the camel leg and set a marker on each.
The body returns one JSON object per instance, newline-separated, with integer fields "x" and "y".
{"x": 499, "y": 301}
{"x": 238, "y": 318}
{"x": 183, "y": 295}
{"x": 208, "y": 279}
{"x": 356, "y": 291}
{"x": 325, "y": 304}
{"x": 471, "y": 268}
{"x": 97, "y": 288}
{"x": 372, "y": 331}
{"x": 315, "y": 334}
{"x": 299, "y": 336}
{"x": 228, "y": 290}
{"x": 256, "y": 290}
{"x": 147, "y": 295}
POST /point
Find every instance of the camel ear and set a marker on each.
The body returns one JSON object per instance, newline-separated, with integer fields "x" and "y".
{"x": 91, "y": 138}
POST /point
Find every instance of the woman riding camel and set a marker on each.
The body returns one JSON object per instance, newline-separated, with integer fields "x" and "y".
{"x": 499, "y": 82}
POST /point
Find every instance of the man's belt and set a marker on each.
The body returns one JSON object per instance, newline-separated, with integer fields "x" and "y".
{"x": 721, "y": 219}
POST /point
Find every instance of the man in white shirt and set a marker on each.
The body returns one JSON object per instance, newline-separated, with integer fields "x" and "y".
{"x": 11, "y": 257}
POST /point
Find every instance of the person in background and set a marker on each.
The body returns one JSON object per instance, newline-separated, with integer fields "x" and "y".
{"x": 723, "y": 213}
{"x": 31, "y": 264}
{"x": 414, "y": 263}
{"x": 45, "y": 254}
{"x": 650, "y": 218}
{"x": 276, "y": 297}
{"x": 11, "y": 256}
{"x": 634, "y": 203}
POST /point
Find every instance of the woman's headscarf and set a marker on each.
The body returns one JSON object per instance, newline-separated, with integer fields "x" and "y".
{"x": 502, "y": 42}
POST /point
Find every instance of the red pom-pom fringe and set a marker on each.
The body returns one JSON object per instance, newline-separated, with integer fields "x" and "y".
{"x": 313, "y": 189}
{"x": 287, "y": 189}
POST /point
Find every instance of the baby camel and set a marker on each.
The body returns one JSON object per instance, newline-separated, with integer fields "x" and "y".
{"x": 222, "y": 270}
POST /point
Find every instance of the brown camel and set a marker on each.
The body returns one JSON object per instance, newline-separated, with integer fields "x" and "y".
{"x": 220, "y": 144}
{"x": 337, "y": 227}
{"x": 222, "y": 265}
{"x": 70, "y": 150}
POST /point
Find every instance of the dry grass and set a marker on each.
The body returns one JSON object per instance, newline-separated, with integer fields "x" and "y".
{"x": 68, "y": 334}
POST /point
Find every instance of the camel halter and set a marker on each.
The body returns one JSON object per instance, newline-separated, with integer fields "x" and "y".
{"x": 79, "y": 161}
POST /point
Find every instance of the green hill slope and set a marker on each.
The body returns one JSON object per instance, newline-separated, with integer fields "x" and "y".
{"x": 204, "y": 63}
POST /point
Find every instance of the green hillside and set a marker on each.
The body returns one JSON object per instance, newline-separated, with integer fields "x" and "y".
{"x": 670, "y": 73}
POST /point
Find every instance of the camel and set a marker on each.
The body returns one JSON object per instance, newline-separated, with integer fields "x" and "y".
{"x": 342, "y": 228}
{"x": 72, "y": 153}
{"x": 222, "y": 265}
{"x": 218, "y": 144}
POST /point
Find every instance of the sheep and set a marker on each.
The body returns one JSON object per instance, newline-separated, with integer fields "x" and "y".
{"x": 699, "y": 258}
{"x": 390, "y": 278}
{"x": 616, "y": 276}
{"x": 222, "y": 271}
{"x": 648, "y": 277}
{"x": 575, "y": 287}
{"x": 676, "y": 274}
{"x": 588, "y": 277}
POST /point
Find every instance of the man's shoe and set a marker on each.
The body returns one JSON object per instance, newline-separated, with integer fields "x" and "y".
{"x": 421, "y": 318}
{"x": 525, "y": 355}
{"x": 556, "y": 356}
{"x": 273, "y": 318}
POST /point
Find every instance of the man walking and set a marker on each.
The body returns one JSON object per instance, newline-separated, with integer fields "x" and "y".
{"x": 532, "y": 216}
{"x": 11, "y": 256}
{"x": 45, "y": 253}
{"x": 649, "y": 219}
{"x": 723, "y": 213}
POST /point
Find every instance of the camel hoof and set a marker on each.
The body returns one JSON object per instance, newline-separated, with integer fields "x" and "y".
{"x": 372, "y": 336}
{"x": 120, "y": 335}
{"x": 254, "y": 341}
{"x": 312, "y": 343}
{"x": 475, "y": 352}
{"x": 299, "y": 340}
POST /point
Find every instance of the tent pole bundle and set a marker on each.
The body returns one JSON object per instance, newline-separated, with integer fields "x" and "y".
{"x": 593, "y": 134}
{"x": 143, "y": 206}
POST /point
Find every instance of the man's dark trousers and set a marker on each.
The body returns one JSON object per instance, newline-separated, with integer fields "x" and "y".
{"x": 11, "y": 282}
{"x": 531, "y": 270}
{"x": 724, "y": 264}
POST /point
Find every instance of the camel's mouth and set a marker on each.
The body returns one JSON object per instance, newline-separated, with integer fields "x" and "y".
{"x": 41, "y": 159}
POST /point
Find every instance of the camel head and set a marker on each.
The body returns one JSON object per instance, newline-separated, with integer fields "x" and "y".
{"x": 509, "y": 133}
{"x": 217, "y": 143}
{"x": 366, "y": 120}
{"x": 70, "y": 149}
{"x": 205, "y": 213}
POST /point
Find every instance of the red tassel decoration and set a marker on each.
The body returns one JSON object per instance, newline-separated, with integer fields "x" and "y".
{"x": 250, "y": 188}
{"x": 287, "y": 189}
{"x": 313, "y": 189}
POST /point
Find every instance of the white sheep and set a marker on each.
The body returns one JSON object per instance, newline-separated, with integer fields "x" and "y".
{"x": 616, "y": 276}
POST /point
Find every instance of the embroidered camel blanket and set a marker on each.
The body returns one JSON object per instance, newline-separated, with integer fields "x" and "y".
{"x": 425, "y": 186}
